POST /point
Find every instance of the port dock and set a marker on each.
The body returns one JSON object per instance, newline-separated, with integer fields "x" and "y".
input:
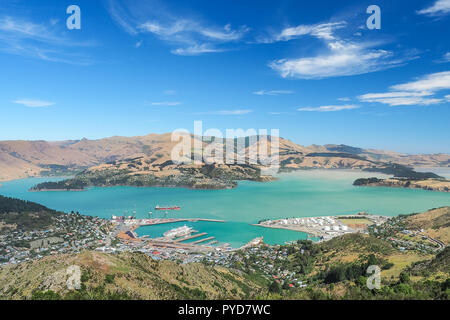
{"x": 156, "y": 221}
{"x": 189, "y": 237}
{"x": 202, "y": 240}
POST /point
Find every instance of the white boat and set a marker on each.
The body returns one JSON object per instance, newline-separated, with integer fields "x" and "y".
{"x": 178, "y": 232}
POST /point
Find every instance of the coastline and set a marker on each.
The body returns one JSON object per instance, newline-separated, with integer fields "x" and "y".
{"x": 427, "y": 185}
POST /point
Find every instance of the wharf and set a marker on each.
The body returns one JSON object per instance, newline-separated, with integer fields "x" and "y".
{"x": 190, "y": 237}
{"x": 202, "y": 240}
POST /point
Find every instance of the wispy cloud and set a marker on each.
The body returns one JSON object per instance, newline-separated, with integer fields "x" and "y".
{"x": 341, "y": 57}
{"x": 39, "y": 40}
{"x": 344, "y": 99}
{"x": 444, "y": 59}
{"x": 169, "y": 92}
{"x": 166, "y": 103}
{"x": 440, "y": 7}
{"x": 191, "y": 36}
{"x": 272, "y": 92}
{"x": 234, "y": 112}
{"x": 321, "y": 31}
{"x": 195, "y": 50}
{"x": 400, "y": 98}
{"x": 330, "y": 108}
{"x": 419, "y": 92}
{"x": 431, "y": 82}
{"x": 34, "y": 103}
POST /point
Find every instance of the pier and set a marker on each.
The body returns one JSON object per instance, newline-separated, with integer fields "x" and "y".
{"x": 202, "y": 240}
{"x": 156, "y": 221}
{"x": 190, "y": 237}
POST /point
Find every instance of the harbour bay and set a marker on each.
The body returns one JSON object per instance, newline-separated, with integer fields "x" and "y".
{"x": 298, "y": 194}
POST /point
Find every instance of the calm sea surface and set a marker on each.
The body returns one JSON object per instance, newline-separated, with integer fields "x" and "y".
{"x": 299, "y": 194}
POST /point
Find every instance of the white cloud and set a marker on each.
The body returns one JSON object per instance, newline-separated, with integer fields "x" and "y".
{"x": 234, "y": 112}
{"x": 341, "y": 57}
{"x": 322, "y": 31}
{"x": 169, "y": 92}
{"x": 431, "y": 82}
{"x": 330, "y": 108}
{"x": 34, "y": 103}
{"x": 446, "y": 57}
{"x": 26, "y": 38}
{"x": 191, "y": 36}
{"x": 447, "y": 97}
{"x": 272, "y": 92}
{"x": 195, "y": 50}
{"x": 407, "y": 100}
{"x": 182, "y": 29}
{"x": 418, "y": 92}
{"x": 166, "y": 103}
{"x": 440, "y": 7}
{"x": 344, "y": 99}
{"x": 138, "y": 44}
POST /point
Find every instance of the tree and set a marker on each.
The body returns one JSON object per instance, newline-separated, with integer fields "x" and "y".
{"x": 275, "y": 287}
{"x": 404, "y": 278}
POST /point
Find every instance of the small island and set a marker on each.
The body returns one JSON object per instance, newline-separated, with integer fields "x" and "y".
{"x": 166, "y": 175}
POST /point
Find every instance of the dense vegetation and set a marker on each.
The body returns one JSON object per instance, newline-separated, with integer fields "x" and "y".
{"x": 8, "y": 205}
{"x": 365, "y": 181}
{"x": 24, "y": 215}
{"x": 400, "y": 171}
{"x": 69, "y": 184}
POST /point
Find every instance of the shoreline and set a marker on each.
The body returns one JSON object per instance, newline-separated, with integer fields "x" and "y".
{"x": 436, "y": 185}
{"x": 156, "y": 186}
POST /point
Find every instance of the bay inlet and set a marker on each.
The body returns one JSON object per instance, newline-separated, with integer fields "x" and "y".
{"x": 308, "y": 193}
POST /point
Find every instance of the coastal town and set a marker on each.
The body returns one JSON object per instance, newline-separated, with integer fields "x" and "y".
{"x": 69, "y": 233}
{"x": 74, "y": 232}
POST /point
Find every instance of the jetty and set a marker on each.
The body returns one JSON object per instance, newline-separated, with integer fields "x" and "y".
{"x": 190, "y": 237}
{"x": 202, "y": 240}
{"x": 156, "y": 221}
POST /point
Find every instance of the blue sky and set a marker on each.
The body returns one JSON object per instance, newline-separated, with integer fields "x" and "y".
{"x": 311, "y": 69}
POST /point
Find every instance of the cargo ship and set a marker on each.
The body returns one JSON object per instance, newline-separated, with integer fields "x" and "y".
{"x": 167, "y": 208}
{"x": 178, "y": 232}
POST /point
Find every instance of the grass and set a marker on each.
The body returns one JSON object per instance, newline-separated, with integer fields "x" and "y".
{"x": 401, "y": 261}
{"x": 356, "y": 221}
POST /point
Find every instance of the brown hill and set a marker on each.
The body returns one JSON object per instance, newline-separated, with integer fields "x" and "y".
{"x": 435, "y": 222}
{"x": 20, "y": 159}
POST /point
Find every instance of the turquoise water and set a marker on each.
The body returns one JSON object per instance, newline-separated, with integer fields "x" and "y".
{"x": 299, "y": 194}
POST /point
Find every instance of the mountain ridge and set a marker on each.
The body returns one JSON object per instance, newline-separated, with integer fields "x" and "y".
{"x": 22, "y": 158}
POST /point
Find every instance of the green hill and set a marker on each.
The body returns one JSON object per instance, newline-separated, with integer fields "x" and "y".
{"x": 122, "y": 276}
{"x": 23, "y": 215}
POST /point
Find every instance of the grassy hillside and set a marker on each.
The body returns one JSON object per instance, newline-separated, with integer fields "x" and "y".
{"x": 123, "y": 276}
{"x": 336, "y": 270}
{"x": 435, "y": 222}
